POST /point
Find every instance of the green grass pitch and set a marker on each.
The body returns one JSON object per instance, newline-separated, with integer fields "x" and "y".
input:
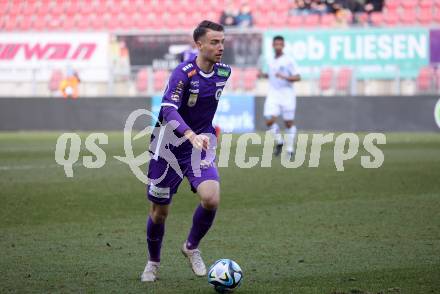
{"x": 304, "y": 230}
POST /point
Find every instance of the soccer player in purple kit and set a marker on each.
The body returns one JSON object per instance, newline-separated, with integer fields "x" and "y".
{"x": 191, "y": 99}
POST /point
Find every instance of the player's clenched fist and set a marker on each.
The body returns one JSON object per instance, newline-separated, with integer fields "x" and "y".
{"x": 198, "y": 141}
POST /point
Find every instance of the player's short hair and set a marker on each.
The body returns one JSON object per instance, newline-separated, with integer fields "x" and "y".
{"x": 278, "y": 38}
{"x": 204, "y": 26}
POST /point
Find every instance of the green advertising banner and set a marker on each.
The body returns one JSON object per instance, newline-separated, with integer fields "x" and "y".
{"x": 371, "y": 52}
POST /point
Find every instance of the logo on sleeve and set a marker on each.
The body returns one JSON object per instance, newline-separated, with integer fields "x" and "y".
{"x": 175, "y": 96}
{"x": 192, "y": 73}
{"x": 223, "y": 72}
{"x": 186, "y": 67}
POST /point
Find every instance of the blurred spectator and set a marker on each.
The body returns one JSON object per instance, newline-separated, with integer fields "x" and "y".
{"x": 300, "y": 7}
{"x": 345, "y": 10}
{"x": 373, "y": 6}
{"x": 244, "y": 18}
{"x": 229, "y": 16}
{"x": 69, "y": 85}
{"x": 318, "y": 7}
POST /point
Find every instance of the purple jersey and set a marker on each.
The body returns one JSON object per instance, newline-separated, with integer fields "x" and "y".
{"x": 195, "y": 94}
{"x": 191, "y": 98}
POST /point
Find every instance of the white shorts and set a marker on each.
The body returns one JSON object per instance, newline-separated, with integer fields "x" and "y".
{"x": 280, "y": 102}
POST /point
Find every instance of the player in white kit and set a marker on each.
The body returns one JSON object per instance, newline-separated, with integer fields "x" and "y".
{"x": 281, "y": 98}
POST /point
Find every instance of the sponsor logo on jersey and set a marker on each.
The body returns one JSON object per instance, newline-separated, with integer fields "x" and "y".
{"x": 220, "y": 84}
{"x": 218, "y": 93}
{"x": 195, "y": 91}
{"x": 192, "y": 100}
{"x": 175, "y": 96}
{"x": 223, "y": 72}
{"x": 195, "y": 83}
{"x": 186, "y": 67}
{"x": 159, "y": 192}
{"x": 192, "y": 73}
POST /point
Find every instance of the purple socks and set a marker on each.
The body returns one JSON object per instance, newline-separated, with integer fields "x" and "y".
{"x": 155, "y": 234}
{"x": 202, "y": 221}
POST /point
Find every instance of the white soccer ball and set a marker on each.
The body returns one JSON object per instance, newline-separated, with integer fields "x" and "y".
{"x": 225, "y": 275}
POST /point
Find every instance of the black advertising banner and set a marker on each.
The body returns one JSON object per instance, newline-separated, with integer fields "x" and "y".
{"x": 164, "y": 50}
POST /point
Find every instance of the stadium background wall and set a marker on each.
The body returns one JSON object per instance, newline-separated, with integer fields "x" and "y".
{"x": 313, "y": 113}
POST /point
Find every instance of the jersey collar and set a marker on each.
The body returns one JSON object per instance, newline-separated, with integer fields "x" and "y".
{"x": 201, "y": 72}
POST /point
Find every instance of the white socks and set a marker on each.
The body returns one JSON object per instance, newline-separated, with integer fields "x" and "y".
{"x": 275, "y": 130}
{"x": 290, "y": 139}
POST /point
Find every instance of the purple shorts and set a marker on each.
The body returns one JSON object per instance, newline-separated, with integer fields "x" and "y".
{"x": 164, "y": 180}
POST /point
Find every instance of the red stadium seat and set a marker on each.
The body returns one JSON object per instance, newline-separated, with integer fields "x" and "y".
{"x": 425, "y": 16}
{"x": 391, "y": 18}
{"x": 57, "y": 9}
{"x": 39, "y": 22}
{"x": 11, "y": 23}
{"x": 250, "y": 78}
{"x": 424, "y": 79}
{"x": 328, "y": 20}
{"x": 409, "y": 4}
{"x": 143, "y": 22}
{"x": 408, "y": 17}
{"x": 82, "y": 23}
{"x": 294, "y": 21}
{"x": 126, "y": 22}
{"x": 311, "y": 20}
{"x": 326, "y": 79}
{"x": 159, "y": 79}
{"x": 281, "y": 7}
{"x": 4, "y": 7}
{"x": 25, "y": 23}
{"x": 71, "y": 8}
{"x": 392, "y": 5}
{"x": 53, "y": 23}
{"x": 43, "y": 9}
{"x": 128, "y": 8}
{"x": 377, "y": 18}
{"x": 437, "y": 5}
{"x": 343, "y": 79}
{"x": 262, "y": 20}
{"x": 279, "y": 20}
{"x": 426, "y": 4}
{"x": 69, "y": 23}
{"x": 29, "y": 9}
{"x": 437, "y": 15}
{"x": 97, "y": 22}
{"x": 142, "y": 80}
{"x": 15, "y": 8}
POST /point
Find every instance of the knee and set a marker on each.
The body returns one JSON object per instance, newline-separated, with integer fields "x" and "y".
{"x": 211, "y": 200}
{"x": 158, "y": 214}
